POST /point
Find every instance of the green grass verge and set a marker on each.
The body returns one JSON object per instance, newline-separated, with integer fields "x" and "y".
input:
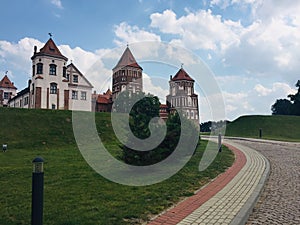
{"x": 284, "y": 128}
{"x": 74, "y": 194}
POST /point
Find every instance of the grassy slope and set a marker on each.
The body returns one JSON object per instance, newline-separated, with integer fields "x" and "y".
{"x": 74, "y": 194}
{"x": 284, "y": 128}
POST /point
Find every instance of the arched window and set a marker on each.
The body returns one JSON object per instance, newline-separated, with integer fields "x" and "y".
{"x": 187, "y": 114}
{"x": 39, "y": 68}
{"x": 52, "y": 69}
{"x": 53, "y": 88}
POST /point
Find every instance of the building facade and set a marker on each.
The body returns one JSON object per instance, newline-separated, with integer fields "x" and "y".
{"x": 127, "y": 75}
{"x": 102, "y": 102}
{"x": 7, "y": 91}
{"x": 182, "y": 96}
{"x": 54, "y": 84}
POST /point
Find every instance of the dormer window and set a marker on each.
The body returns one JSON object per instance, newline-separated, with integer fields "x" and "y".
{"x": 52, "y": 69}
{"x": 75, "y": 78}
{"x": 39, "y": 68}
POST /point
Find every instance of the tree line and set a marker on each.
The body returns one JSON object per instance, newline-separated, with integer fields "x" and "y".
{"x": 289, "y": 106}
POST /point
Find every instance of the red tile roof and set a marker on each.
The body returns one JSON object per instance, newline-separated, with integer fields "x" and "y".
{"x": 182, "y": 75}
{"x": 102, "y": 99}
{"x": 105, "y": 98}
{"x": 50, "y": 49}
{"x": 127, "y": 59}
{"x": 6, "y": 83}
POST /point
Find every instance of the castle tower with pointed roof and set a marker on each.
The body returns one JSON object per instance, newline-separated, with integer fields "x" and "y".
{"x": 127, "y": 75}
{"x": 182, "y": 96}
{"x": 56, "y": 85}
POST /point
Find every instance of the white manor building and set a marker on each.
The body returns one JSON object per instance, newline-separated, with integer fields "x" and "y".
{"x": 54, "y": 84}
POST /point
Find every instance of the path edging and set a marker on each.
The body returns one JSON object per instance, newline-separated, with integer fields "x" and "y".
{"x": 247, "y": 209}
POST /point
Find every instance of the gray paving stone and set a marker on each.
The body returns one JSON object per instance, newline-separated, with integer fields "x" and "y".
{"x": 280, "y": 200}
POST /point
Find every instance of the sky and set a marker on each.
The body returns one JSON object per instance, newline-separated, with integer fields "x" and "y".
{"x": 251, "y": 47}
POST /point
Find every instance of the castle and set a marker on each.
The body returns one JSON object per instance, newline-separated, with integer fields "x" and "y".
{"x": 58, "y": 85}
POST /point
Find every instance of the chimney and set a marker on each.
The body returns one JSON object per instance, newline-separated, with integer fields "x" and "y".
{"x": 35, "y": 49}
{"x": 170, "y": 77}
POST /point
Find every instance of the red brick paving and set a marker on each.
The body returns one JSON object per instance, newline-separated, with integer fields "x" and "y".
{"x": 186, "y": 207}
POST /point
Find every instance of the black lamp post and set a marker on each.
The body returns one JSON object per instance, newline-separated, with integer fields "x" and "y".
{"x": 37, "y": 191}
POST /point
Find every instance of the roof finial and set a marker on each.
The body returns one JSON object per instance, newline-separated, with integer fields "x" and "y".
{"x": 50, "y": 34}
{"x": 71, "y": 61}
{"x": 6, "y": 72}
{"x": 182, "y": 65}
{"x": 127, "y": 44}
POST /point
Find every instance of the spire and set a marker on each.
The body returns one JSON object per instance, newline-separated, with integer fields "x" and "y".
{"x": 182, "y": 75}
{"x": 127, "y": 59}
{"x": 50, "y": 49}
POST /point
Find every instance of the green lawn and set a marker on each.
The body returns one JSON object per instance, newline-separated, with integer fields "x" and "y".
{"x": 285, "y": 128}
{"x": 74, "y": 193}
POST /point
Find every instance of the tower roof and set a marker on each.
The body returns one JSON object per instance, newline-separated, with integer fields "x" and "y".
{"x": 6, "y": 83}
{"x": 182, "y": 75}
{"x": 127, "y": 59}
{"x": 50, "y": 49}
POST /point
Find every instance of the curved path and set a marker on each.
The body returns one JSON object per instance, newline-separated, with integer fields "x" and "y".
{"x": 279, "y": 203}
{"x": 229, "y": 198}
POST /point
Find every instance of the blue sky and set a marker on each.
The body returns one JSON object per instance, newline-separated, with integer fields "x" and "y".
{"x": 251, "y": 46}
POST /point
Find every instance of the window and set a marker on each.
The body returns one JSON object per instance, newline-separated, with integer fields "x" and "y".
{"x": 83, "y": 95}
{"x": 53, "y": 88}
{"x": 6, "y": 95}
{"x": 39, "y": 68}
{"x": 68, "y": 76}
{"x": 75, "y": 78}
{"x": 65, "y": 72}
{"x": 26, "y": 100}
{"x": 53, "y": 106}
{"x": 33, "y": 70}
{"x": 74, "y": 94}
{"x": 52, "y": 69}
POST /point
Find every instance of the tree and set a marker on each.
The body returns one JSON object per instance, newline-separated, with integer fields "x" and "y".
{"x": 170, "y": 141}
{"x": 295, "y": 99}
{"x": 288, "y": 107}
{"x": 282, "y": 107}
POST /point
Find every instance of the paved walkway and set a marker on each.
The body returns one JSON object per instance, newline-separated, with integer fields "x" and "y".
{"x": 280, "y": 201}
{"x": 228, "y": 199}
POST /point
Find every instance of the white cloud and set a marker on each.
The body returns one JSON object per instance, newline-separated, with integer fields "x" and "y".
{"x": 57, "y": 3}
{"x": 277, "y": 89}
{"x": 126, "y": 34}
{"x": 199, "y": 30}
{"x": 15, "y": 57}
{"x": 158, "y": 90}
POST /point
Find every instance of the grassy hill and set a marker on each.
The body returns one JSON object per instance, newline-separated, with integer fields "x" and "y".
{"x": 285, "y": 128}
{"x": 74, "y": 194}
